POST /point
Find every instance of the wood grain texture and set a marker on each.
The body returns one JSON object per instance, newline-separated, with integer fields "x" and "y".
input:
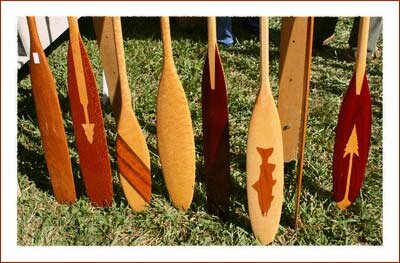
{"x": 293, "y": 81}
{"x": 50, "y": 121}
{"x": 303, "y": 118}
{"x": 216, "y": 138}
{"x": 130, "y": 136}
{"x": 264, "y": 135}
{"x": 93, "y": 155}
{"x": 353, "y": 131}
{"x": 174, "y": 130}
{"x": 355, "y": 112}
{"x": 105, "y": 39}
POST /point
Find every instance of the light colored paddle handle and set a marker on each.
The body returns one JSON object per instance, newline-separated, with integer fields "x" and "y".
{"x": 119, "y": 50}
{"x": 361, "y": 59}
{"x": 264, "y": 43}
{"x": 166, "y": 39}
{"x": 77, "y": 59}
{"x": 212, "y": 45}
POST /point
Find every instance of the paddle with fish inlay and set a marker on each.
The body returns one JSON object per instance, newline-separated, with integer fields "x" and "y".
{"x": 215, "y": 127}
{"x": 50, "y": 121}
{"x": 88, "y": 123}
{"x": 264, "y": 155}
{"x": 353, "y": 130}
{"x": 175, "y": 137}
{"x": 132, "y": 153}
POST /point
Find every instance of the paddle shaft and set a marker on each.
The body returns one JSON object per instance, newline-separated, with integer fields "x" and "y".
{"x": 264, "y": 64}
{"x": 303, "y": 122}
{"x": 123, "y": 78}
{"x": 361, "y": 58}
{"x": 166, "y": 39}
{"x": 212, "y": 45}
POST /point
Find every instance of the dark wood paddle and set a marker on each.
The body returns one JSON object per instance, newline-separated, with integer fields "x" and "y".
{"x": 50, "y": 121}
{"x": 215, "y": 128}
{"x": 88, "y": 123}
{"x": 353, "y": 130}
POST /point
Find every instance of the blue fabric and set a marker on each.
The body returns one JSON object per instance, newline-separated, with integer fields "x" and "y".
{"x": 224, "y": 31}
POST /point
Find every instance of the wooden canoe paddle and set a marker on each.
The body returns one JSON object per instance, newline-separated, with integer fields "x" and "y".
{"x": 294, "y": 85}
{"x": 50, "y": 121}
{"x": 264, "y": 155}
{"x": 105, "y": 39}
{"x": 353, "y": 130}
{"x": 132, "y": 153}
{"x": 174, "y": 130}
{"x": 88, "y": 123}
{"x": 215, "y": 127}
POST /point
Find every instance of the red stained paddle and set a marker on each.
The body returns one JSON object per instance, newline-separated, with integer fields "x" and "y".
{"x": 215, "y": 128}
{"x": 353, "y": 130}
{"x": 88, "y": 121}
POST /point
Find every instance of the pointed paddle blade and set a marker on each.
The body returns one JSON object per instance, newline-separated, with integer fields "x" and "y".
{"x": 352, "y": 143}
{"x": 90, "y": 137}
{"x": 216, "y": 138}
{"x": 50, "y": 121}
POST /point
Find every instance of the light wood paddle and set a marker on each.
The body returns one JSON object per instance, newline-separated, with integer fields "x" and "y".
{"x": 215, "y": 128}
{"x": 50, "y": 121}
{"x": 174, "y": 130}
{"x": 132, "y": 153}
{"x": 88, "y": 123}
{"x": 303, "y": 121}
{"x": 264, "y": 155}
{"x": 105, "y": 39}
{"x": 294, "y": 84}
{"x": 353, "y": 130}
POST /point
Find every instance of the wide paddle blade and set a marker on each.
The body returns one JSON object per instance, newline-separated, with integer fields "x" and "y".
{"x": 352, "y": 143}
{"x": 88, "y": 123}
{"x": 50, "y": 121}
{"x": 175, "y": 137}
{"x": 133, "y": 156}
{"x": 264, "y": 155}
{"x": 215, "y": 135}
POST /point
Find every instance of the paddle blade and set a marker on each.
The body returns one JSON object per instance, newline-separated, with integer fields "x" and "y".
{"x": 133, "y": 169}
{"x": 216, "y": 139}
{"x": 90, "y": 133}
{"x": 352, "y": 143}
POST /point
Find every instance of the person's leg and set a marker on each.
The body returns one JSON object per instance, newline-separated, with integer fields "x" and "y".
{"x": 324, "y": 30}
{"x": 224, "y": 31}
{"x": 375, "y": 29}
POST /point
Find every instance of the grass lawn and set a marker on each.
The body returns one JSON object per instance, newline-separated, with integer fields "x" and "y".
{"x": 42, "y": 221}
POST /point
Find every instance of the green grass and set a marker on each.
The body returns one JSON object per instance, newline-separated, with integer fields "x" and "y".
{"x": 42, "y": 221}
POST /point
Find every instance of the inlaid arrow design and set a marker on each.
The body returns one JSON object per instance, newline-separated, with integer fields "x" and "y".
{"x": 351, "y": 148}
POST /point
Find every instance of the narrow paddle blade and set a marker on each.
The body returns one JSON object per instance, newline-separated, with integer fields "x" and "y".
{"x": 89, "y": 131}
{"x": 50, "y": 121}
{"x": 132, "y": 153}
{"x": 216, "y": 138}
{"x": 352, "y": 143}
{"x": 264, "y": 155}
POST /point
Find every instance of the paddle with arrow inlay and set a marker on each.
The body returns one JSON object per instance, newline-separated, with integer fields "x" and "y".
{"x": 174, "y": 129}
{"x": 88, "y": 123}
{"x": 215, "y": 127}
{"x": 264, "y": 155}
{"x": 50, "y": 121}
{"x": 132, "y": 153}
{"x": 353, "y": 130}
